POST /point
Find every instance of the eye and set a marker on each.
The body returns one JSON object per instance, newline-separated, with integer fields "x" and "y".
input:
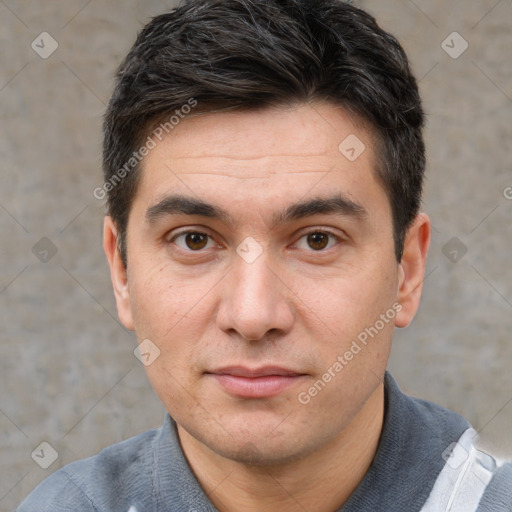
{"x": 318, "y": 240}
{"x": 192, "y": 241}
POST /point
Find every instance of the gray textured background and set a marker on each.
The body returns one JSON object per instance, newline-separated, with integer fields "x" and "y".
{"x": 68, "y": 375}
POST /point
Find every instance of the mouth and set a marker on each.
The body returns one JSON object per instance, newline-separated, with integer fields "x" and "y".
{"x": 263, "y": 382}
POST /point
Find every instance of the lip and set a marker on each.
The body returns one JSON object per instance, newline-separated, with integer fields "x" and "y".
{"x": 263, "y": 382}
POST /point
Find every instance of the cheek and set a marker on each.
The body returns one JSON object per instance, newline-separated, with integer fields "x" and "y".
{"x": 162, "y": 297}
{"x": 358, "y": 315}
{"x": 174, "y": 312}
{"x": 349, "y": 304}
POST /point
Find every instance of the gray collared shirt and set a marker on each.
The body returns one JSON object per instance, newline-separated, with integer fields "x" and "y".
{"x": 149, "y": 472}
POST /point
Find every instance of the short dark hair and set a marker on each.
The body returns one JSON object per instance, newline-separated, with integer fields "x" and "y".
{"x": 252, "y": 54}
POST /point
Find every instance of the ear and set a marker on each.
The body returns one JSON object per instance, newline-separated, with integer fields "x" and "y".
{"x": 412, "y": 269}
{"x": 117, "y": 273}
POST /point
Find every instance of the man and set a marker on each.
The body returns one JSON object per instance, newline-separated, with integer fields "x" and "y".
{"x": 263, "y": 163}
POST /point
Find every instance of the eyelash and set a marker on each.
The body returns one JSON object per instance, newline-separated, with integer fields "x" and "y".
{"x": 312, "y": 231}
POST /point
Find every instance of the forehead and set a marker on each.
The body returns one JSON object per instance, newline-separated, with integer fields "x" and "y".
{"x": 311, "y": 129}
{"x": 262, "y": 156}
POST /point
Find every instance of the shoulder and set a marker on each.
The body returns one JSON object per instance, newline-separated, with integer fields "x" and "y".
{"x": 498, "y": 493}
{"x": 420, "y": 422}
{"x": 57, "y": 493}
{"x": 95, "y": 484}
{"x": 438, "y": 453}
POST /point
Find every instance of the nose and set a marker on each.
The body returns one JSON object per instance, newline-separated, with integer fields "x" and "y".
{"x": 255, "y": 300}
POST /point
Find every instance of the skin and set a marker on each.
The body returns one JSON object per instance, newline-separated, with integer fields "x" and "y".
{"x": 295, "y": 306}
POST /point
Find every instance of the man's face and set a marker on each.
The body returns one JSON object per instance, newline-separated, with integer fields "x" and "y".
{"x": 251, "y": 308}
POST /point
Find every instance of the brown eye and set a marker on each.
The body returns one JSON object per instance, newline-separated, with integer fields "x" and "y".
{"x": 318, "y": 241}
{"x": 191, "y": 240}
{"x": 196, "y": 241}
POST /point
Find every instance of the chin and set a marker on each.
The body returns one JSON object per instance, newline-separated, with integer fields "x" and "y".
{"x": 260, "y": 452}
{"x": 256, "y": 442}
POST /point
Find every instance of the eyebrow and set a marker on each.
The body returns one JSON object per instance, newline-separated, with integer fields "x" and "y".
{"x": 178, "y": 204}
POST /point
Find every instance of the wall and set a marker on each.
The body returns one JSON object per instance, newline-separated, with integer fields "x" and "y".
{"x": 68, "y": 376}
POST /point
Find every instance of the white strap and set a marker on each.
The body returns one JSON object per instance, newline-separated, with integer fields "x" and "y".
{"x": 463, "y": 479}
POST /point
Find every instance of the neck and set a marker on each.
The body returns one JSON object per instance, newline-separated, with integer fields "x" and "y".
{"x": 322, "y": 481}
